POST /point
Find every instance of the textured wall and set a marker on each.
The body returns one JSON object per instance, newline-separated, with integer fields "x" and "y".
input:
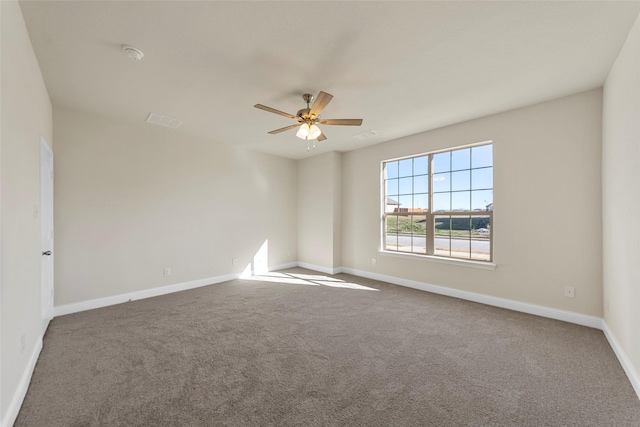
{"x": 133, "y": 198}
{"x": 621, "y": 198}
{"x": 319, "y": 189}
{"x": 26, "y": 116}
{"x": 547, "y": 219}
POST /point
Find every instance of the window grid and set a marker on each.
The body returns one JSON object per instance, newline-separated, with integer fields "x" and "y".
{"x": 414, "y": 227}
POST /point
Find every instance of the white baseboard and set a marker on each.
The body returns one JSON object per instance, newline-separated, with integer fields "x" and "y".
{"x": 325, "y": 270}
{"x": 283, "y": 266}
{"x": 61, "y": 310}
{"x": 552, "y": 313}
{"x": 23, "y": 386}
{"x": 628, "y": 367}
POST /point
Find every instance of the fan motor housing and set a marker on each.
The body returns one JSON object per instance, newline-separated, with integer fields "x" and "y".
{"x": 303, "y": 115}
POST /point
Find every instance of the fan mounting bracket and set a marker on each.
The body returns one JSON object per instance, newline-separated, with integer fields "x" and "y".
{"x": 307, "y": 98}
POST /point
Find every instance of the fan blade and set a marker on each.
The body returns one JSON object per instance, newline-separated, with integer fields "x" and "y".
{"x": 343, "y": 122}
{"x": 273, "y": 110}
{"x": 322, "y": 137}
{"x": 273, "y": 132}
{"x": 321, "y": 101}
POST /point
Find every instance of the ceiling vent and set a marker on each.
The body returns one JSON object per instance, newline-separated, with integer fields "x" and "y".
{"x": 160, "y": 120}
{"x": 366, "y": 134}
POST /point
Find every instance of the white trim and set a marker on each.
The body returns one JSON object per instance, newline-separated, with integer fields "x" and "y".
{"x": 325, "y": 270}
{"x": 551, "y": 313}
{"x": 283, "y": 266}
{"x": 442, "y": 260}
{"x": 61, "y": 310}
{"x": 628, "y": 367}
{"x": 23, "y": 386}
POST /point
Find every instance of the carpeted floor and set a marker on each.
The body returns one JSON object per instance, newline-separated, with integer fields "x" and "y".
{"x": 299, "y": 348}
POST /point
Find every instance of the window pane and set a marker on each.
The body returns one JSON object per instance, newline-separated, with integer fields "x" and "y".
{"x": 418, "y": 239}
{"x": 421, "y": 201}
{"x": 405, "y": 167}
{"x": 392, "y": 187}
{"x": 442, "y": 241}
{"x": 391, "y": 241}
{"x": 480, "y": 226}
{"x": 480, "y": 250}
{"x": 406, "y": 186}
{"x": 461, "y": 201}
{"x": 405, "y": 202}
{"x": 392, "y": 224}
{"x": 460, "y": 247}
{"x": 461, "y": 237}
{"x": 421, "y": 184}
{"x": 404, "y": 234}
{"x": 460, "y": 180}
{"x": 482, "y": 179}
{"x": 461, "y": 159}
{"x": 441, "y": 202}
{"x": 441, "y": 182}
{"x": 480, "y": 238}
{"x": 442, "y": 162}
{"x": 391, "y": 205}
{"x": 481, "y": 200}
{"x": 391, "y": 169}
{"x": 482, "y": 156}
{"x": 421, "y": 165}
{"x": 419, "y": 225}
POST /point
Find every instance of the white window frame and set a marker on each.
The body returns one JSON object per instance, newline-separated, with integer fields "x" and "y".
{"x": 431, "y": 216}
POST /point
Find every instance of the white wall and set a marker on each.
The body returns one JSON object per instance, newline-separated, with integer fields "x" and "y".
{"x": 134, "y": 198}
{"x": 547, "y": 216}
{"x": 319, "y": 211}
{"x": 25, "y": 116}
{"x": 621, "y": 200}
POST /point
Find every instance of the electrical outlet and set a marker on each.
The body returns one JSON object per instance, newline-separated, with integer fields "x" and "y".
{"x": 569, "y": 291}
{"x": 167, "y": 271}
{"x": 22, "y": 343}
{"x": 234, "y": 261}
{"x": 374, "y": 261}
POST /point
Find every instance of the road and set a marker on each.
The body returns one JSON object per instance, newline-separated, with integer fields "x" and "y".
{"x": 480, "y": 246}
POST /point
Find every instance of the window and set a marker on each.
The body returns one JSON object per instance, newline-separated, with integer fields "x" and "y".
{"x": 440, "y": 203}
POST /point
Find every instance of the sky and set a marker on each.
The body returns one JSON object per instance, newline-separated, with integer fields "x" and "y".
{"x": 462, "y": 180}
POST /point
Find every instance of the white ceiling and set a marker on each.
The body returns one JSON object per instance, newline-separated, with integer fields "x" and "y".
{"x": 403, "y": 67}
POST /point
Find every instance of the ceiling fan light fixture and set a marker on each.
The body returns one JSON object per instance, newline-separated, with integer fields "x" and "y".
{"x": 303, "y": 132}
{"x": 314, "y": 132}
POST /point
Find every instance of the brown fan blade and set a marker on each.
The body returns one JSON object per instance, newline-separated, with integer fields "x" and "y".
{"x": 342, "y": 122}
{"x": 321, "y": 101}
{"x": 273, "y": 110}
{"x": 322, "y": 137}
{"x": 273, "y": 132}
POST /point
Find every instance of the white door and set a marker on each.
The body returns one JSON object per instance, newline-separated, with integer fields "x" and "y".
{"x": 46, "y": 234}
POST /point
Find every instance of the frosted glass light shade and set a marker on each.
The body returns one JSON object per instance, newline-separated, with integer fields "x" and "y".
{"x": 314, "y": 132}
{"x": 303, "y": 132}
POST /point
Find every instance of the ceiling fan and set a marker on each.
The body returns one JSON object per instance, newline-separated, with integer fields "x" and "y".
{"x": 308, "y": 118}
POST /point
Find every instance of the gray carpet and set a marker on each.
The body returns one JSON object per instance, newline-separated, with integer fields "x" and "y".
{"x": 295, "y": 350}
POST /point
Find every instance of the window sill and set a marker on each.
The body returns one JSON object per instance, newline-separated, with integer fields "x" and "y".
{"x": 442, "y": 260}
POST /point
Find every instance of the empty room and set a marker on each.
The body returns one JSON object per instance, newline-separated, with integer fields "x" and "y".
{"x": 319, "y": 213}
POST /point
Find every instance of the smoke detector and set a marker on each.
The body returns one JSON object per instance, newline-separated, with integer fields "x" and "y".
{"x": 133, "y": 53}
